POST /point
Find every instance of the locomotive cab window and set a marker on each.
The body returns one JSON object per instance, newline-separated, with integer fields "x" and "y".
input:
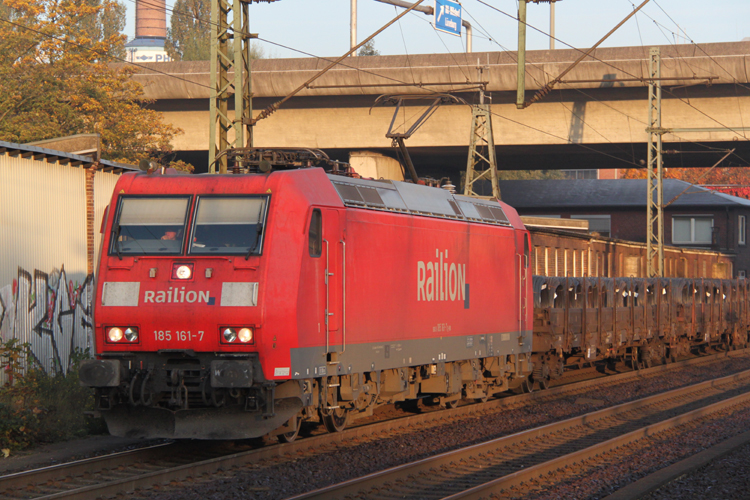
{"x": 228, "y": 226}
{"x": 149, "y": 226}
{"x": 315, "y": 236}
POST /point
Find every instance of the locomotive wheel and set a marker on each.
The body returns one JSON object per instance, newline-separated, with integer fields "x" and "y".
{"x": 336, "y": 419}
{"x": 288, "y": 437}
{"x": 452, "y": 404}
{"x": 482, "y": 400}
{"x": 527, "y": 385}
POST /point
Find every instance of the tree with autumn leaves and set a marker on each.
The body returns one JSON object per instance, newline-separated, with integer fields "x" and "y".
{"x": 729, "y": 180}
{"x": 56, "y": 78}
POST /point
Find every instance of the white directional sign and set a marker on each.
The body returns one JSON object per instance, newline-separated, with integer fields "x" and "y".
{"x": 448, "y": 16}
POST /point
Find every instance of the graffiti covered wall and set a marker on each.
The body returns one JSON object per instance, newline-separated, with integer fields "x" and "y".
{"x": 50, "y": 313}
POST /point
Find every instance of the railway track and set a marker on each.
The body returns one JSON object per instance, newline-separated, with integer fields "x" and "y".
{"x": 477, "y": 471}
{"x": 143, "y": 468}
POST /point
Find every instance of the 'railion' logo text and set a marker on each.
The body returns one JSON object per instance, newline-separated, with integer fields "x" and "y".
{"x": 178, "y": 295}
{"x": 441, "y": 279}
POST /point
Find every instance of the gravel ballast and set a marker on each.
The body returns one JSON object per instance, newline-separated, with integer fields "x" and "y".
{"x": 287, "y": 476}
{"x": 723, "y": 479}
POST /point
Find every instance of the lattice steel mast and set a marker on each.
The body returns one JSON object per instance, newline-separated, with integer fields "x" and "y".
{"x": 655, "y": 202}
{"x": 481, "y": 164}
{"x": 238, "y": 89}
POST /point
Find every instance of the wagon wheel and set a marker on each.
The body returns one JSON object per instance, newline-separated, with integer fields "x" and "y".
{"x": 542, "y": 376}
{"x": 336, "y": 419}
{"x": 290, "y": 436}
{"x": 635, "y": 363}
{"x": 651, "y": 354}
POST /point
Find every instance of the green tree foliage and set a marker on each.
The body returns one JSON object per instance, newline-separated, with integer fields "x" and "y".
{"x": 368, "y": 49}
{"x": 40, "y": 408}
{"x": 189, "y": 34}
{"x": 56, "y": 78}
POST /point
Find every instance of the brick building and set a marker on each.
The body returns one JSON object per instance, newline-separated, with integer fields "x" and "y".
{"x": 694, "y": 218}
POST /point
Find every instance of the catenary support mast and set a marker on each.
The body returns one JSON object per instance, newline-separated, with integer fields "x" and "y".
{"x": 482, "y": 163}
{"x": 655, "y": 202}
{"x": 230, "y": 130}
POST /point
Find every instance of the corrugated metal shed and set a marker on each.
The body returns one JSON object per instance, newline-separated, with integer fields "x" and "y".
{"x": 45, "y": 289}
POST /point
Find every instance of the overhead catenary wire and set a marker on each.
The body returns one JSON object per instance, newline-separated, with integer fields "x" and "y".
{"x": 533, "y": 128}
{"x": 701, "y": 48}
{"x": 321, "y": 58}
{"x": 692, "y": 65}
{"x": 699, "y": 178}
{"x": 617, "y": 68}
{"x": 305, "y": 53}
{"x": 458, "y": 65}
{"x": 582, "y": 92}
{"x": 540, "y": 84}
{"x": 100, "y": 53}
{"x": 606, "y": 63}
{"x": 682, "y": 59}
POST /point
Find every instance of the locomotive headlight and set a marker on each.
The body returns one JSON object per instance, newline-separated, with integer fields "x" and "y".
{"x": 245, "y": 335}
{"x": 114, "y": 334}
{"x": 131, "y": 334}
{"x": 182, "y": 271}
{"x": 230, "y": 334}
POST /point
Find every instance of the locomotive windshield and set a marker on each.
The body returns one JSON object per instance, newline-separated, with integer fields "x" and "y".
{"x": 150, "y": 226}
{"x": 228, "y": 225}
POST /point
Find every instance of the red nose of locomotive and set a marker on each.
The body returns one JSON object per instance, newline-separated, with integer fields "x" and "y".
{"x": 181, "y": 273}
{"x": 196, "y": 304}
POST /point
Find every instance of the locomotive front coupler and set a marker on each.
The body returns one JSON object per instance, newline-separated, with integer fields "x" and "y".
{"x": 177, "y": 381}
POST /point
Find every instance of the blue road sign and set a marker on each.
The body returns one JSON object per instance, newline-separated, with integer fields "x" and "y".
{"x": 448, "y": 16}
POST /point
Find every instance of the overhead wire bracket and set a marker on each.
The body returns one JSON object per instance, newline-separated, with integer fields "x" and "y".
{"x": 435, "y": 101}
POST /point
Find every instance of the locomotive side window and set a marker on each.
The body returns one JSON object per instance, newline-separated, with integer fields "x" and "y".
{"x": 228, "y": 226}
{"x": 316, "y": 234}
{"x": 526, "y": 250}
{"x": 149, "y": 226}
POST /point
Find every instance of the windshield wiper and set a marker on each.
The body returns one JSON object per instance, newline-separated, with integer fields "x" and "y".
{"x": 258, "y": 234}
{"x": 118, "y": 247}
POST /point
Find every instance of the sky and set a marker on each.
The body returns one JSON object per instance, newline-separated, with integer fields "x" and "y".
{"x": 321, "y": 27}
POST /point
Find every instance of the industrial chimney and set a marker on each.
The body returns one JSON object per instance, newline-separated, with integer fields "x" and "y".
{"x": 150, "y": 32}
{"x": 150, "y": 19}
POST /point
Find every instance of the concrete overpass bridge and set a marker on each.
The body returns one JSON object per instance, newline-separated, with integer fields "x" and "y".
{"x": 589, "y": 121}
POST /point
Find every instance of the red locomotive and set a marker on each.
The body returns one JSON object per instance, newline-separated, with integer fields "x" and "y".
{"x": 234, "y": 306}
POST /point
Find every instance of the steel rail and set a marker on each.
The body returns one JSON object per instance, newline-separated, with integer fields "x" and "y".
{"x": 147, "y": 480}
{"x": 599, "y": 449}
{"x": 407, "y": 474}
{"x": 52, "y": 472}
{"x": 666, "y": 475}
